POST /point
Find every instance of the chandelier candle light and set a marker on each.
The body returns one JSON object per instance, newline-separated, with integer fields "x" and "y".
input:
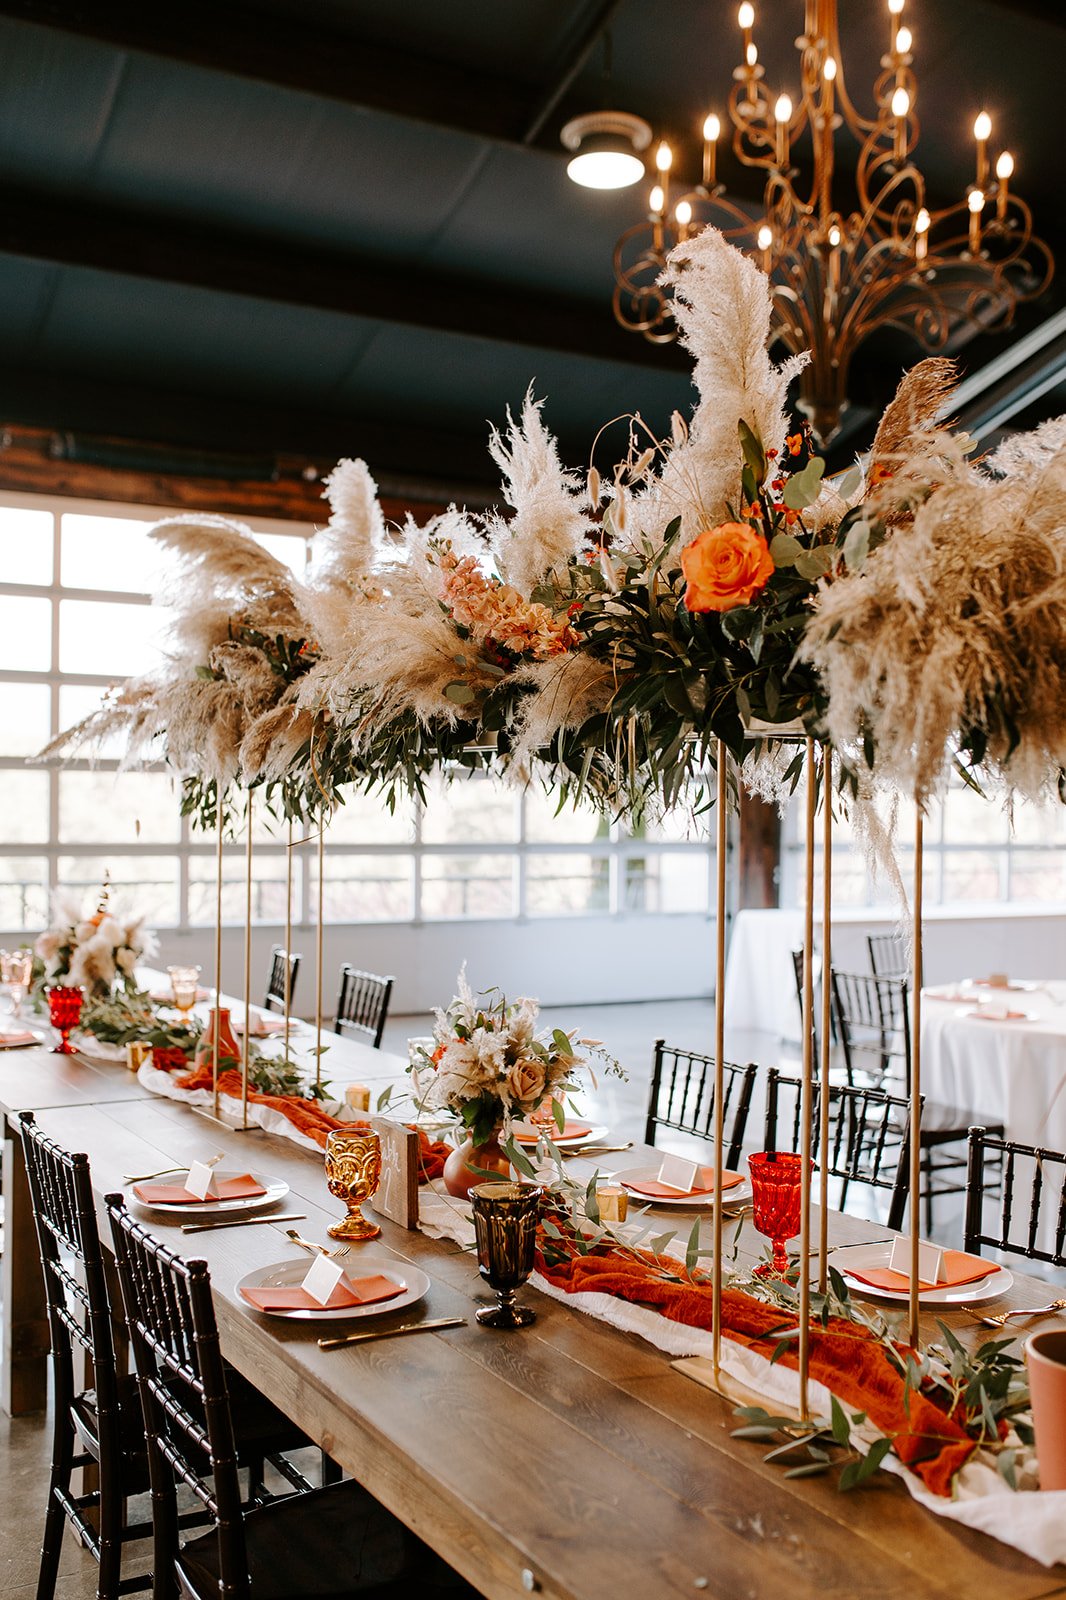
{"x": 837, "y": 277}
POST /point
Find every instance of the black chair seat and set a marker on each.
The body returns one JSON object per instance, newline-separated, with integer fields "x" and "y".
{"x": 325, "y": 1545}
{"x": 134, "y": 1465}
{"x": 258, "y": 1426}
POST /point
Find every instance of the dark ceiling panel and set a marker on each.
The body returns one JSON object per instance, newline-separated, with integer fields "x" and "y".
{"x": 26, "y": 287}
{"x": 56, "y": 95}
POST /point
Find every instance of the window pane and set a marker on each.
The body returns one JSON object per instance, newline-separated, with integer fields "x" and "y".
{"x": 972, "y": 819}
{"x": 974, "y": 875}
{"x": 109, "y": 553}
{"x": 76, "y": 702}
{"x": 1039, "y": 824}
{"x": 24, "y": 718}
{"x": 25, "y": 813}
{"x": 140, "y": 885}
{"x": 107, "y": 637}
{"x": 25, "y": 634}
{"x": 571, "y": 826}
{"x": 567, "y": 885}
{"x": 667, "y": 881}
{"x": 365, "y": 888}
{"x": 124, "y": 807}
{"x": 268, "y": 889}
{"x": 1038, "y": 875}
{"x": 470, "y": 811}
{"x": 25, "y": 545}
{"x": 23, "y": 894}
{"x": 366, "y": 819}
{"x": 468, "y": 886}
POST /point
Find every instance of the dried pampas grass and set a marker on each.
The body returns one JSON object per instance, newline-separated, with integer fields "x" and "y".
{"x": 957, "y": 626}
{"x": 551, "y": 521}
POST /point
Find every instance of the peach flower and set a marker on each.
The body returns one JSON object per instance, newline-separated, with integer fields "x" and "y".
{"x": 725, "y": 566}
{"x": 526, "y": 1081}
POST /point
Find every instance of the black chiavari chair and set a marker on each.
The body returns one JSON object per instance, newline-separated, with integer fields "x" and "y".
{"x": 98, "y": 1428}
{"x": 888, "y": 955}
{"x": 284, "y": 968}
{"x": 681, "y": 1098}
{"x": 362, "y": 1005}
{"x": 873, "y": 1021}
{"x": 315, "y": 1544}
{"x": 868, "y": 1141}
{"x": 1035, "y": 1229}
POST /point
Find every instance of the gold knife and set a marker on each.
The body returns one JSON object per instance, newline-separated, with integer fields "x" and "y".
{"x": 391, "y": 1333}
{"x": 240, "y": 1222}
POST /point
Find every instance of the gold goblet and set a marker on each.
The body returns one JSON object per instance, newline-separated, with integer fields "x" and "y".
{"x": 353, "y": 1172}
{"x": 184, "y": 986}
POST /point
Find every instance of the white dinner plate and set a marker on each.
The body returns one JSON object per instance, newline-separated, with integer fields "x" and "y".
{"x": 194, "y": 1210}
{"x": 565, "y": 1141}
{"x": 737, "y": 1195}
{"x": 996, "y": 1283}
{"x": 285, "y": 1274}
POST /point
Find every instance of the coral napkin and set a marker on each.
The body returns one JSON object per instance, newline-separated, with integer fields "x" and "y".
{"x": 349, "y": 1292}
{"x": 657, "y": 1190}
{"x": 957, "y": 1268}
{"x": 572, "y": 1130}
{"x": 11, "y": 1041}
{"x": 175, "y": 1194}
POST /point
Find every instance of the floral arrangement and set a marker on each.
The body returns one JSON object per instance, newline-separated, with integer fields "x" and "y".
{"x": 490, "y": 1067}
{"x": 94, "y": 952}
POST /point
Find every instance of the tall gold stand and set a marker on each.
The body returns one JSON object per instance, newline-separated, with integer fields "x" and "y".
{"x": 719, "y": 1060}
{"x": 916, "y": 1080}
{"x": 246, "y": 1037}
{"x": 824, "y": 1038}
{"x": 806, "y": 1103}
{"x": 288, "y": 938}
{"x": 218, "y": 951}
{"x": 318, "y": 949}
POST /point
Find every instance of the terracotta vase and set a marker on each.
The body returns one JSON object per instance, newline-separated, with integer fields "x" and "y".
{"x": 229, "y": 1052}
{"x": 468, "y": 1164}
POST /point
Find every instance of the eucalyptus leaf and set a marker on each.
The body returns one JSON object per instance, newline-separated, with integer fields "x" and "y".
{"x": 857, "y": 545}
{"x": 803, "y": 488}
{"x": 785, "y": 550}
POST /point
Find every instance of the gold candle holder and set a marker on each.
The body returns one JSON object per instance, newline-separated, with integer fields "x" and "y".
{"x": 137, "y": 1053}
{"x": 505, "y": 1223}
{"x": 353, "y": 1172}
{"x": 613, "y": 1203}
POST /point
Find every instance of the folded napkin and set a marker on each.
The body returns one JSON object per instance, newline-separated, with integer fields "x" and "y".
{"x": 572, "y": 1130}
{"x": 261, "y": 1026}
{"x": 957, "y": 1267}
{"x": 348, "y": 1292}
{"x": 999, "y": 1014}
{"x": 704, "y": 1185}
{"x": 175, "y": 1194}
{"x": 11, "y": 1041}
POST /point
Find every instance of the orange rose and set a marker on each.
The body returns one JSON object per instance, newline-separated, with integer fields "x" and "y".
{"x": 725, "y": 566}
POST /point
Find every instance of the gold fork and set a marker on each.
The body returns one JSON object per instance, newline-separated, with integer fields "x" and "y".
{"x": 1000, "y": 1317}
{"x": 318, "y": 1249}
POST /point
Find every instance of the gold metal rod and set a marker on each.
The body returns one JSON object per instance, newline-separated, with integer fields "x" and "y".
{"x": 246, "y": 1037}
{"x": 218, "y": 949}
{"x": 806, "y": 1094}
{"x": 824, "y": 1041}
{"x": 318, "y": 949}
{"x": 719, "y": 1054}
{"x": 916, "y": 1080}
{"x": 288, "y": 937}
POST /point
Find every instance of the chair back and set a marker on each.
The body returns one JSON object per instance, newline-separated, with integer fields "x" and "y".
{"x": 868, "y": 1140}
{"x": 79, "y": 1310}
{"x": 888, "y": 955}
{"x": 284, "y": 967}
{"x": 182, "y": 1383}
{"x": 682, "y": 1097}
{"x": 873, "y": 1023}
{"x": 1032, "y": 1205}
{"x": 362, "y": 1005}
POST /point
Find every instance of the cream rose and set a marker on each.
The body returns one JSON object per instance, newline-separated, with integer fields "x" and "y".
{"x": 526, "y": 1082}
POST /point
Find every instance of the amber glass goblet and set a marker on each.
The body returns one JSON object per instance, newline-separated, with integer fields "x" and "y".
{"x": 505, "y": 1222}
{"x": 64, "y": 1009}
{"x": 353, "y": 1172}
{"x": 16, "y": 971}
{"x": 184, "y": 986}
{"x": 776, "y": 1187}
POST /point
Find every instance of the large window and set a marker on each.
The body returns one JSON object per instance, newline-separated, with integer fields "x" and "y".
{"x": 75, "y": 584}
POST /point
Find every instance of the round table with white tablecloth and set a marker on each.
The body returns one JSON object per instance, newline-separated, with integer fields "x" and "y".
{"x": 1012, "y": 1070}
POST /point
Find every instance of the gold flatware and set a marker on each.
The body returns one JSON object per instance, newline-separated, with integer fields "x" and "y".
{"x": 997, "y": 1319}
{"x": 391, "y": 1333}
{"x": 144, "y": 1177}
{"x": 240, "y": 1222}
{"x": 594, "y": 1149}
{"x": 308, "y": 1244}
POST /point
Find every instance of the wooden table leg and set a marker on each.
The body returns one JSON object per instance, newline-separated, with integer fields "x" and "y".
{"x": 23, "y": 1312}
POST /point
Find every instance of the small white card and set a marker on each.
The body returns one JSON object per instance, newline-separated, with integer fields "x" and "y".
{"x": 930, "y": 1260}
{"x": 201, "y": 1180}
{"x": 323, "y": 1276}
{"x": 677, "y": 1173}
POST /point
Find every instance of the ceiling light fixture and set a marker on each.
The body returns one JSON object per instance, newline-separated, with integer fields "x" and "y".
{"x": 607, "y": 146}
{"x": 837, "y": 277}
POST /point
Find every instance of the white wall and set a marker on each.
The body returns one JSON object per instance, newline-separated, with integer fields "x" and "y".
{"x": 560, "y": 961}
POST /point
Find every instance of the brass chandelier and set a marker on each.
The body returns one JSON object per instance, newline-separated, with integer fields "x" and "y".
{"x": 839, "y": 275}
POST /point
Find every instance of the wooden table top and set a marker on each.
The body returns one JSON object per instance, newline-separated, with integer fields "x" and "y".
{"x": 568, "y": 1458}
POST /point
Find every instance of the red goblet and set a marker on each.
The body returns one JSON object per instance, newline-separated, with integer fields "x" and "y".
{"x": 776, "y": 1178}
{"x": 64, "y": 1010}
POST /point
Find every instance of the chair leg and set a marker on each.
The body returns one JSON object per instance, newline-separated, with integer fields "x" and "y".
{"x": 55, "y": 1517}
{"x": 927, "y": 1167}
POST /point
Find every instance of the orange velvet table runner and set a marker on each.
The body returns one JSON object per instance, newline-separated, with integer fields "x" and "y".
{"x": 844, "y": 1356}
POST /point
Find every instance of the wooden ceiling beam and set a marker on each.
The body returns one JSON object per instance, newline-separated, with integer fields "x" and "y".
{"x": 295, "y": 53}
{"x": 74, "y": 232}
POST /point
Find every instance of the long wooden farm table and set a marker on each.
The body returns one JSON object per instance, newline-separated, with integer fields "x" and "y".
{"x": 568, "y": 1459}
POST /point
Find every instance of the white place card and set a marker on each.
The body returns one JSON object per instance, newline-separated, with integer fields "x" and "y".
{"x": 201, "y": 1180}
{"x": 930, "y": 1260}
{"x": 323, "y": 1276}
{"x": 677, "y": 1173}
